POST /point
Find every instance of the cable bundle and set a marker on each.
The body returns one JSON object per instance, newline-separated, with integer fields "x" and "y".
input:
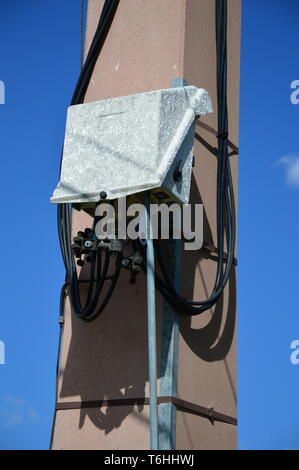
{"x": 98, "y": 274}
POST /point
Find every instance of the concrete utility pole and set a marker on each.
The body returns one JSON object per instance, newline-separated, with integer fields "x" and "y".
{"x": 103, "y": 383}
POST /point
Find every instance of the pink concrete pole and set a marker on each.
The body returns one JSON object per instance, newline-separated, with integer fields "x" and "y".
{"x": 103, "y": 382}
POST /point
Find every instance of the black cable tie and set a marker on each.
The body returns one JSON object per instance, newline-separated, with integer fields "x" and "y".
{"x": 211, "y": 415}
{"x": 223, "y": 136}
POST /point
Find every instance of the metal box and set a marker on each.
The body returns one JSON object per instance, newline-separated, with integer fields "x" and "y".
{"x": 127, "y": 145}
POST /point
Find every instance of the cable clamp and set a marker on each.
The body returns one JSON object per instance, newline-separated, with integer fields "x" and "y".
{"x": 211, "y": 415}
{"x": 223, "y": 136}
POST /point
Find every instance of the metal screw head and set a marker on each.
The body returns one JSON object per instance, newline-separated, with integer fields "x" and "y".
{"x": 178, "y": 172}
{"x": 103, "y": 194}
{"x": 125, "y": 262}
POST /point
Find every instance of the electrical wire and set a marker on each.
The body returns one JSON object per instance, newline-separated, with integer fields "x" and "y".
{"x": 90, "y": 310}
{"x": 82, "y": 7}
{"x": 61, "y": 326}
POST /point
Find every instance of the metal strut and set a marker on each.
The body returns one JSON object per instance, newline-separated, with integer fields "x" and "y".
{"x": 152, "y": 334}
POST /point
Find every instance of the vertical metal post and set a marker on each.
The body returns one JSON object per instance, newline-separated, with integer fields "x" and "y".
{"x": 171, "y": 253}
{"x": 169, "y": 350}
{"x": 152, "y": 332}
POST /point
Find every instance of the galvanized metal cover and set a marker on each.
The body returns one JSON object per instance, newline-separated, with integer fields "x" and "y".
{"x": 127, "y": 145}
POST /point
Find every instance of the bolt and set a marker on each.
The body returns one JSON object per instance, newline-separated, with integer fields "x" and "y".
{"x": 136, "y": 269}
{"x": 103, "y": 194}
{"x": 177, "y": 174}
{"x": 125, "y": 262}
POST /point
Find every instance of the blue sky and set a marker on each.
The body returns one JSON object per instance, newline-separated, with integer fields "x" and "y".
{"x": 39, "y": 64}
{"x": 269, "y": 229}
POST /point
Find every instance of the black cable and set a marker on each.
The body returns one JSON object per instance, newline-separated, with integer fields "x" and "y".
{"x": 106, "y": 18}
{"x": 82, "y": 6}
{"x": 64, "y": 210}
{"x": 107, "y": 297}
{"x": 61, "y": 325}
